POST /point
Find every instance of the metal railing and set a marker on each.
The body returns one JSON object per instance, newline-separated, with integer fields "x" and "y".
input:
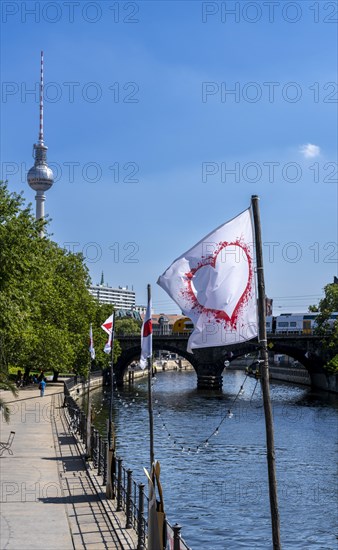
{"x": 78, "y": 379}
{"x": 130, "y": 496}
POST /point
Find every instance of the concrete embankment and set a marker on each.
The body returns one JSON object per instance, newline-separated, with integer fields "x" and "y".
{"x": 290, "y": 374}
{"x": 159, "y": 366}
{"x": 284, "y": 373}
{"x": 296, "y": 374}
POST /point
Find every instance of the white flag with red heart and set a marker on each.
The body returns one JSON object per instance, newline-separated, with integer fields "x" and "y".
{"x": 213, "y": 283}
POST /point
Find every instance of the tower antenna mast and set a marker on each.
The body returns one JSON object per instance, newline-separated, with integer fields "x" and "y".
{"x": 40, "y": 177}
{"x": 41, "y": 102}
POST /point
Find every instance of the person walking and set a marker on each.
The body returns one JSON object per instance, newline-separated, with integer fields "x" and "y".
{"x": 42, "y": 386}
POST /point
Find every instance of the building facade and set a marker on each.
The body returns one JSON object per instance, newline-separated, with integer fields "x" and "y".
{"x": 120, "y": 297}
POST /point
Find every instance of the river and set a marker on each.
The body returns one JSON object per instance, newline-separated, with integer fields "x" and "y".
{"x": 218, "y": 491}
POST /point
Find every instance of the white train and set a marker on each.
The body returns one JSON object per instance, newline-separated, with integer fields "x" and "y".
{"x": 296, "y": 323}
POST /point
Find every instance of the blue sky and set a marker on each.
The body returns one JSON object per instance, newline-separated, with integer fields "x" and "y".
{"x": 142, "y": 132}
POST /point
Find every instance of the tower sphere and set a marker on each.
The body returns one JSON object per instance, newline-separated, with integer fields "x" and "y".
{"x": 40, "y": 177}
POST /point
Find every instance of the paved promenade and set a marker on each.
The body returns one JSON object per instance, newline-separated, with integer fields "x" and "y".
{"x": 48, "y": 498}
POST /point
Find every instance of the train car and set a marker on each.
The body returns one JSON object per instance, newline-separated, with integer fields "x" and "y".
{"x": 182, "y": 326}
{"x": 301, "y": 323}
{"x": 287, "y": 323}
{"x": 309, "y": 322}
{"x": 270, "y": 324}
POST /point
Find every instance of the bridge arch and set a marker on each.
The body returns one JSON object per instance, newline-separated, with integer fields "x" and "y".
{"x": 209, "y": 362}
{"x": 133, "y": 353}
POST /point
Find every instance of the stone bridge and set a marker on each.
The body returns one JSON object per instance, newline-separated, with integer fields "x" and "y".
{"x": 209, "y": 362}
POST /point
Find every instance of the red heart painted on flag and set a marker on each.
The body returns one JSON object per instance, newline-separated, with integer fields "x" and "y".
{"x": 221, "y": 283}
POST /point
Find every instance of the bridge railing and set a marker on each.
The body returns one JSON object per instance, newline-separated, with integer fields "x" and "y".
{"x": 184, "y": 335}
{"x": 155, "y": 333}
{"x": 130, "y": 496}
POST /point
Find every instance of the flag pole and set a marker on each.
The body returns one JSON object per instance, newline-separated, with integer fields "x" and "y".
{"x": 150, "y": 399}
{"x": 262, "y": 340}
{"x": 111, "y": 435}
{"x": 110, "y": 493}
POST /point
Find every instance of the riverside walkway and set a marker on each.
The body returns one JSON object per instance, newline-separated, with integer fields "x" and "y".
{"x": 49, "y": 497}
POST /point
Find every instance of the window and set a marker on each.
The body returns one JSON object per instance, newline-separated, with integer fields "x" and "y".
{"x": 283, "y": 324}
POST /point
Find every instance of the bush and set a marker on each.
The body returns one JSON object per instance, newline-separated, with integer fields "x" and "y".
{"x": 332, "y": 366}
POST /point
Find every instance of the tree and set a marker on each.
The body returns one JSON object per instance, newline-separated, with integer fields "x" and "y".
{"x": 127, "y": 326}
{"x": 45, "y": 306}
{"x": 327, "y": 306}
{"x": 5, "y": 384}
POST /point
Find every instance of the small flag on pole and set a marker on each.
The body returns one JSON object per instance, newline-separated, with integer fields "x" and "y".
{"x": 214, "y": 285}
{"x": 107, "y": 325}
{"x": 107, "y": 346}
{"x": 146, "y": 337}
{"x": 91, "y": 343}
{"x": 108, "y": 328}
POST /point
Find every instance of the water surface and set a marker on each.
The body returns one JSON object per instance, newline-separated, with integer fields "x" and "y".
{"x": 218, "y": 492}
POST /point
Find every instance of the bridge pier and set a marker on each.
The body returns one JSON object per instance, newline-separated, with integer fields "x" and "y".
{"x": 209, "y": 382}
{"x": 209, "y": 368}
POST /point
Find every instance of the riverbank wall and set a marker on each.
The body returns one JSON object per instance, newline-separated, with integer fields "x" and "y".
{"x": 325, "y": 382}
{"x": 77, "y": 387}
{"x": 295, "y": 374}
{"x": 284, "y": 373}
{"x": 158, "y": 366}
{"x": 290, "y": 374}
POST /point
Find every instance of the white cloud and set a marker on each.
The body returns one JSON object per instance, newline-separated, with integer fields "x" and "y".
{"x": 310, "y": 151}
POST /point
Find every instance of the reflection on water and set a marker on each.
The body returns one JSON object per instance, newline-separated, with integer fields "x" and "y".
{"x": 219, "y": 492}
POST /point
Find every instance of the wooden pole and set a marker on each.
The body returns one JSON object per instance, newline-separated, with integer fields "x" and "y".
{"x": 262, "y": 339}
{"x": 150, "y": 399}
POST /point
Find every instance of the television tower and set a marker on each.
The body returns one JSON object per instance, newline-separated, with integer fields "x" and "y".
{"x": 40, "y": 176}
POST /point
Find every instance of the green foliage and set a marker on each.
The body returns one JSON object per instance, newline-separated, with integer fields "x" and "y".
{"x": 127, "y": 326}
{"x": 313, "y": 309}
{"x": 332, "y": 365}
{"x": 328, "y": 305}
{"x": 45, "y": 306}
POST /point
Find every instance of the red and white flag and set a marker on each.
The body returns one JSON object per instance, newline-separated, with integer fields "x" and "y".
{"x": 108, "y": 324}
{"x": 146, "y": 338}
{"x": 91, "y": 343}
{"x": 107, "y": 346}
{"x": 108, "y": 328}
{"x": 214, "y": 284}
